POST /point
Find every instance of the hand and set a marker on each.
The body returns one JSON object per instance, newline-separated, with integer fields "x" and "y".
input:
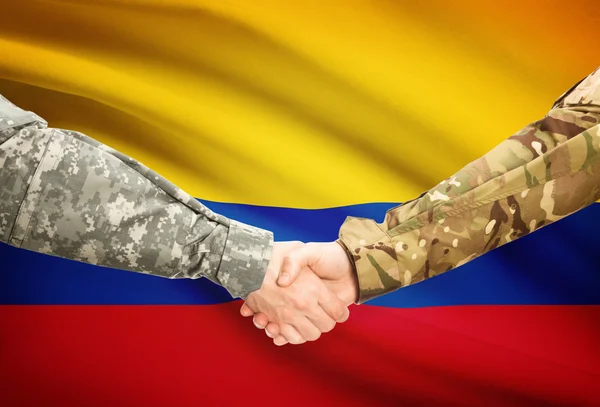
{"x": 329, "y": 262}
{"x": 302, "y": 310}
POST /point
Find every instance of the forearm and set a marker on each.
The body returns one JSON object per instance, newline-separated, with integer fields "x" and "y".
{"x": 540, "y": 175}
{"x": 68, "y": 195}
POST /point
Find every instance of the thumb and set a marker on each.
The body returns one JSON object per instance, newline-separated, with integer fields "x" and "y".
{"x": 293, "y": 263}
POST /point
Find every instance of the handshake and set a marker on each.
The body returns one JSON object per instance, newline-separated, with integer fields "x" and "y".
{"x": 306, "y": 290}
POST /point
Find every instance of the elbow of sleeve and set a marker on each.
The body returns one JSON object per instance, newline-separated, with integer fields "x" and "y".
{"x": 245, "y": 259}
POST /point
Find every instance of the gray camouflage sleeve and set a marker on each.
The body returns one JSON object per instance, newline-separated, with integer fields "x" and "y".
{"x": 65, "y": 194}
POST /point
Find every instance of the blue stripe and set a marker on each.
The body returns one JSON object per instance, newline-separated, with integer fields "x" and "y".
{"x": 556, "y": 265}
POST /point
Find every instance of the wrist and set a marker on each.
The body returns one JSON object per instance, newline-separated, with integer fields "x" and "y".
{"x": 350, "y": 292}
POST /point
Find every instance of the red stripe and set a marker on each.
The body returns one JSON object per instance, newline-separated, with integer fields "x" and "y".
{"x": 206, "y": 355}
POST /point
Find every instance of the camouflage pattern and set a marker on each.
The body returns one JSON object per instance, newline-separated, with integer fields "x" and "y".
{"x": 543, "y": 173}
{"x": 67, "y": 195}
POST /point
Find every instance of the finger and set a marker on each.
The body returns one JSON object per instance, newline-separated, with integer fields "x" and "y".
{"x": 333, "y": 306}
{"x": 272, "y": 330}
{"x": 291, "y": 334}
{"x": 280, "y": 341}
{"x": 293, "y": 263}
{"x": 258, "y": 323}
{"x": 307, "y": 329}
{"x": 246, "y": 311}
{"x": 322, "y": 321}
{"x": 260, "y": 320}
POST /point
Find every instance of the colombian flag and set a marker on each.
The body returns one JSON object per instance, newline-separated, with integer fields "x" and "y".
{"x": 292, "y": 115}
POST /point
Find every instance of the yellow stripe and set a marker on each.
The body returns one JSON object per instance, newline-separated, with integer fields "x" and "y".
{"x": 304, "y": 104}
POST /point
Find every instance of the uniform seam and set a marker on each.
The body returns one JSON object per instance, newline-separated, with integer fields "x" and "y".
{"x": 36, "y": 173}
{"x": 222, "y": 255}
{"x": 26, "y": 195}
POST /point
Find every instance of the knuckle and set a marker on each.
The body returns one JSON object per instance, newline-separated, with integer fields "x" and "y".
{"x": 338, "y": 313}
{"x": 251, "y": 301}
{"x": 287, "y": 260}
{"x": 303, "y": 305}
{"x": 300, "y": 304}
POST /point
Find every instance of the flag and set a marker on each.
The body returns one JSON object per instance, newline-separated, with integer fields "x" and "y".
{"x": 291, "y": 116}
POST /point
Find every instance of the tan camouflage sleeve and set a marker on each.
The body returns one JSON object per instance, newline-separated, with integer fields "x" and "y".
{"x": 543, "y": 173}
{"x": 65, "y": 194}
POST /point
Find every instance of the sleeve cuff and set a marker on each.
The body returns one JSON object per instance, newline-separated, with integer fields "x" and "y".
{"x": 374, "y": 257}
{"x": 245, "y": 259}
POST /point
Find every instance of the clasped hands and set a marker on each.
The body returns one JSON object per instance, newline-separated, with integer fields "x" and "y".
{"x": 306, "y": 290}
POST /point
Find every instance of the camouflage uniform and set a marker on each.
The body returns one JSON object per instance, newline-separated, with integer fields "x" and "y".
{"x": 543, "y": 173}
{"x": 65, "y": 194}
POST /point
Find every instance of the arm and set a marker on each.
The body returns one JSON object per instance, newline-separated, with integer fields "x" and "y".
{"x": 541, "y": 174}
{"x": 65, "y": 194}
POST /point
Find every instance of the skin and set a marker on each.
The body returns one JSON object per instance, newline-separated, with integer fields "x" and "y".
{"x": 300, "y": 268}
{"x": 300, "y": 305}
